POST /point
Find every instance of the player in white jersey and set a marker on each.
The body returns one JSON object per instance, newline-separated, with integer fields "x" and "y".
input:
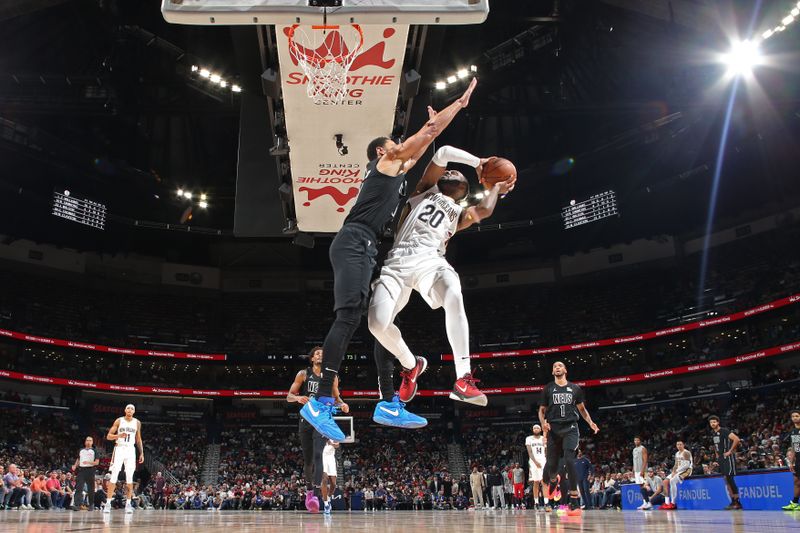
{"x": 536, "y": 445}
{"x": 127, "y": 434}
{"x": 328, "y": 473}
{"x": 639, "y": 461}
{"x": 416, "y": 262}
{"x": 680, "y": 471}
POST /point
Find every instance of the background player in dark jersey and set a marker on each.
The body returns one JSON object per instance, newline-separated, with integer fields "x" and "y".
{"x": 305, "y": 386}
{"x": 559, "y": 406}
{"x": 725, "y": 443}
{"x": 793, "y": 441}
{"x": 353, "y": 251}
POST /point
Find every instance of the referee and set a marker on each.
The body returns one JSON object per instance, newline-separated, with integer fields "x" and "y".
{"x": 84, "y": 469}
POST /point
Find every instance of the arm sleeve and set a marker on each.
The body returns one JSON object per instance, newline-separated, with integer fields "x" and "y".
{"x": 449, "y": 154}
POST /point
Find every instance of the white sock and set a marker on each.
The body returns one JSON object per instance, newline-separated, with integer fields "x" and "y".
{"x": 546, "y": 501}
{"x": 666, "y": 499}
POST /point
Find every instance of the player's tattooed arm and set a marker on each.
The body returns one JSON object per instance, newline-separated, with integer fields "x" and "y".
{"x": 112, "y": 433}
{"x": 338, "y": 398}
{"x": 139, "y": 442}
{"x": 294, "y": 391}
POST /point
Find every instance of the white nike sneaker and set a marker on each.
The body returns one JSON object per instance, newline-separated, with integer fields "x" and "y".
{"x": 107, "y": 507}
{"x": 128, "y": 508}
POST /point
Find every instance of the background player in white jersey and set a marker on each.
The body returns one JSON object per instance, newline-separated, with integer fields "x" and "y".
{"x": 416, "y": 262}
{"x": 535, "y": 445}
{"x": 127, "y": 434}
{"x": 639, "y": 461}
{"x": 680, "y": 471}
{"x": 328, "y": 485}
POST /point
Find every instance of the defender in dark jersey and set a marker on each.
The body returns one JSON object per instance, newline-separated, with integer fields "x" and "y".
{"x": 353, "y": 251}
{"x": 725, "y": 443}
{"x": 306, "y": 386}
{"x": 793, "y": 441}
{"x": 559, "y": 406}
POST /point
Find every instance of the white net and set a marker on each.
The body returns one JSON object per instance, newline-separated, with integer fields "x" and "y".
{"x": 325, "y": 54}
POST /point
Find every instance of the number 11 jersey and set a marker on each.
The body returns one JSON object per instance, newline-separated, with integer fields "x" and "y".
{"x": 431, "y": 221}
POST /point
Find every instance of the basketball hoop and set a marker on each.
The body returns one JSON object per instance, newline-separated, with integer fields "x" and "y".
{"x": 325, "y": 54}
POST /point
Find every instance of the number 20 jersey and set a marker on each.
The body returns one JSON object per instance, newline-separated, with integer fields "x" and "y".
{"x": 431, "y": 221}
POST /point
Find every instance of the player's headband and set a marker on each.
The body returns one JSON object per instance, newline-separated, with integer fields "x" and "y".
{"x": 131, "y": 406}
{"x": 537, "y": 426}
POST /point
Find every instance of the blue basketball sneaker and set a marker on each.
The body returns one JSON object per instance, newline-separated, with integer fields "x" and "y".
{"x": 327, "y": 508}
{"x": 319, "y": 413}
{"x": 394, "y": 414}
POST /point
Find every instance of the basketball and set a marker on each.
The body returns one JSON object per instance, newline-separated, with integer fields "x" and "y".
{"x": 497, "y": 169}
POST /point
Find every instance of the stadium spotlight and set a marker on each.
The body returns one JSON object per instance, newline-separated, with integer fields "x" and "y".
{"x": 205, "y": 73}
{"x": 203, "y": 197}
{"x": 180, "y": 192}
{"x": 441, "y": 85}
{"x": 187, "y": 195}
{"x": 451, "y": 79}
{"x": 462, "y": 73}
{"x": 203, "y": 204}
{"x": 741, "y": 59}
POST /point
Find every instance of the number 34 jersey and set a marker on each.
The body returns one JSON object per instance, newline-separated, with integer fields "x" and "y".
{"x": 431, "y": 221}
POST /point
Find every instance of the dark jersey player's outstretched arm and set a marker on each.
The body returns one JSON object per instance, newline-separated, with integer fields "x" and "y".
{"x": 401, "y": 157}
{"x": 586, "y": 416}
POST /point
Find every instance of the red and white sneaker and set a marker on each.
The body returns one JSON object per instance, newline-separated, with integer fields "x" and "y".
{"x": 408, "y": 388}
{"x": 668, "y": 507}
{"x": 465, "y": 391}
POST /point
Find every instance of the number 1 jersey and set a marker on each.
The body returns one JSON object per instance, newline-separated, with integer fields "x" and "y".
{"x": 431, "y": 221}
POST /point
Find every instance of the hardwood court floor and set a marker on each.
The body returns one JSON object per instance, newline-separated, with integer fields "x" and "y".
{"x": 399, "y": 521}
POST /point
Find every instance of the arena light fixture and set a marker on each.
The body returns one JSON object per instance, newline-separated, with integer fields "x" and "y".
{"x": 187, "y": 195}
{"x": 473, "y": 68}
{"x": 204, "y": 72}
{"x": 203, "y": 197}
{"x": 195, "y": 68}
{"x": 462, "y": 73}
{"x": 203, "y": 204}
{"x": 215, "y": 78}
{"x": 236, "y": 89}
{"x": 451, "y": 79}
{"x": 741, "y": 59}
{"x": 180, "y": 192}
{"x": 441, "y": 85}
{"x": 789, "y": 18}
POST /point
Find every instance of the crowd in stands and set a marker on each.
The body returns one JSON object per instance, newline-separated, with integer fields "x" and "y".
{"x": 261, "y": 467}
{"x": 612, "y": 303}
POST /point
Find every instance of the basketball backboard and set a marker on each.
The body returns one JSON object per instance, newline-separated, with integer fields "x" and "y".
{"x": 228, "y": 12}
{"x": 327, "y": 137}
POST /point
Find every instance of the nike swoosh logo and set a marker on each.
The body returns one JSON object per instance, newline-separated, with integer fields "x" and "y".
{"x": 313, "y": 412}
{"x": 462, "y": 390}
{"x": 396, "y": 412}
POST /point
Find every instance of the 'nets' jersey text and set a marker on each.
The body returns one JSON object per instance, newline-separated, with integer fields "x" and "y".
{"x": 312, "y": 383}
{"x": 793, "y": 440}
{"x": 721, "y": 441}
{"x": 561, "y": 402}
